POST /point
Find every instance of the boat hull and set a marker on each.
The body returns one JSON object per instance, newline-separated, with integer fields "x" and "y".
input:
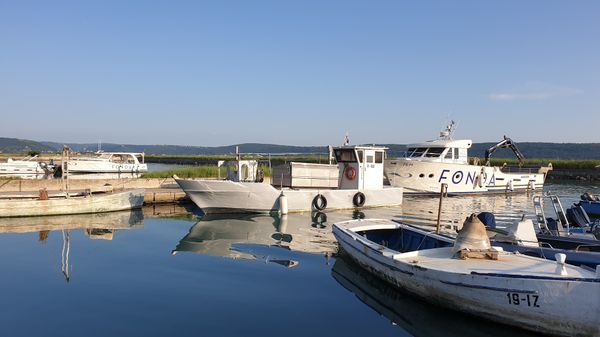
{"x": 109, "y": 202}
{"x": 591, "y": 207}
{"x": 422, "y": 177}
{"x": 223, "y": 196}
{"x": 549, "y": 304}
{"x": 85, "y": 166}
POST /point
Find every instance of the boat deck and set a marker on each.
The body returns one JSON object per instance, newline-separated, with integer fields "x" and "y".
{"x": 507, "y": 264}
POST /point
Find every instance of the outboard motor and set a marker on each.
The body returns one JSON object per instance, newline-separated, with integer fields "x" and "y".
{"x": 472, "y": 236}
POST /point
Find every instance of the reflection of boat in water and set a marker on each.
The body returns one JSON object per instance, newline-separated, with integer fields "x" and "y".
{"x": 100, "y": 226}
{"x": 242, "y": 235}
{"x": 415, "y": 316}
{"x": 93, "y": 224}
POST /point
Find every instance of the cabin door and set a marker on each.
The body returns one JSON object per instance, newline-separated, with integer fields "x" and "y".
{"x": 372, "y": 169}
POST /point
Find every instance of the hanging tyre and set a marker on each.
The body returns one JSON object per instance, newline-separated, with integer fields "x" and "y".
{"x": 319, "y": 202}
{"x": 359, "y": 199}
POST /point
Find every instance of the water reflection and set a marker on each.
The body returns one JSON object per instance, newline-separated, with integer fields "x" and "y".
{"x": 100, "y": 226}
{"x": 251, "y": 236}
{"x": 96, "y": 226}
{"x": 413, "y": 315}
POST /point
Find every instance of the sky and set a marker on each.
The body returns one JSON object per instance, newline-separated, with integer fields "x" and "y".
{"x": 305, "y": 72}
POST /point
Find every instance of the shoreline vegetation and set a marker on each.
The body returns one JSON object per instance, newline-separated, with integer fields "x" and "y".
{"x": 205, "y": 166}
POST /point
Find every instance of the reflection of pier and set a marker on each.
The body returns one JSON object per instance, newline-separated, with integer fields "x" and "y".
{"x": 239, "y": 236}
{"x": 413, "y": 315}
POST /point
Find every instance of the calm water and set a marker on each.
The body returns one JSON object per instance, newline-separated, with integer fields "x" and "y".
{"x": 165, "y": 272}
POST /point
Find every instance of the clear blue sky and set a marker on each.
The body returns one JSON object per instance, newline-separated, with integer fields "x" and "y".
{"x": 298, "y": 72}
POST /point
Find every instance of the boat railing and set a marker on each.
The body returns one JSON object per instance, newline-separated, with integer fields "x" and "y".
{"x": 522, "y": 169}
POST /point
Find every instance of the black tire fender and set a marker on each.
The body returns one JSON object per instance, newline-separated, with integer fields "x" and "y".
{"x": 359, "y": 199}
{"x": 319, "y": 202}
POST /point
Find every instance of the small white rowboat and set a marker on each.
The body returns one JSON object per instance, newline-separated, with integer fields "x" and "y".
{"x": 531, "y": 293}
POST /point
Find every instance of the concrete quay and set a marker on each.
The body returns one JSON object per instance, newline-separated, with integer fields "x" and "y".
{"x": 158, "y": 190}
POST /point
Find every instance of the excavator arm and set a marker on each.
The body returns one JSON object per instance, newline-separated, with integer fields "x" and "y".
{"x": 506, "y": 143}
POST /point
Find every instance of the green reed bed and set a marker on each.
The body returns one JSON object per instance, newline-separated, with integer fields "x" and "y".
{"x": 203, "y": 171}
{"x": 563, "y": 164}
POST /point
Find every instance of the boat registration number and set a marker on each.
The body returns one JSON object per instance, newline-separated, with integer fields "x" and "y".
{"x": 530, "y": 300}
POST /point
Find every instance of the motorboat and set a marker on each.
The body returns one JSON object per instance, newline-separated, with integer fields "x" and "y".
{"x": 475, "y": 277}
{"x": 108, "y": 162}
{"x": 445, "y": 160}
{"x": 26, "y": 168}
{"x": 356, "y": 181}
{"x": 590, "y": 203}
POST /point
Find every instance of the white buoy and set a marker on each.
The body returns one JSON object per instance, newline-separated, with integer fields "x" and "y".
{"x": 283, "y": 204}
{"x": 510, "y": 186}
{"x": 561, "y": 269}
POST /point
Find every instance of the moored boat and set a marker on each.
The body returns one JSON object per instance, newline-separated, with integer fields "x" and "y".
{"x": 445, "y": 160}
{"x": 77, "y": 204}
{"x": 108, "y": 162}
{"x": 471, "y": 276}
{"x": 27, "y": 169}
{"x": 359, "y": 183}
{"x": 590, "y": 203}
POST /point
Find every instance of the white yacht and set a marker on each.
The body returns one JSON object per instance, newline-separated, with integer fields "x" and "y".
{"x": 357, "y": 181}
{"x": 27, "y": 169}
{"x": 108, "y": 162}
{"x": 445, "y": 160}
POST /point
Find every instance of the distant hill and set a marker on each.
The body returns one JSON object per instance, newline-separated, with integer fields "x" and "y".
{"x": 193, "y": 150}
{"x": 14, "y": 145}
{"x": 530, "y": 150}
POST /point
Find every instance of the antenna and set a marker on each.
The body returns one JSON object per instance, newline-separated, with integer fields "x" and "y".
{"x": 446, "y": 134}
{"x": 346, "y": 139}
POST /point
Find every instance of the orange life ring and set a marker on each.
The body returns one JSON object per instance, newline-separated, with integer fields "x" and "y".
{"x": 350, "y": 172}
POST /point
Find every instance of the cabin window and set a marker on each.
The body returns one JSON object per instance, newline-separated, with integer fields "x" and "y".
{"x": 345, "y": 156}
{"x": 434, "y": 152}
{"x": 449, "y": 154}
{"x": 461, "y": 153}
{"x": 416, "y": 151}
{"x": 370, "y": 159}
{"x": 378, "y": 157}
{"x": 360, "y": 156}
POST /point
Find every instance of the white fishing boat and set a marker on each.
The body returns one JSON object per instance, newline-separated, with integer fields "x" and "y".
{"x": 357, "y": 182}
{"x": 528, "y": 292}
{"x": 64, "y": 203}
{"x": 445, "y": 160}
{"x": 108, "y": 162}
{"x": 27, "y": 169}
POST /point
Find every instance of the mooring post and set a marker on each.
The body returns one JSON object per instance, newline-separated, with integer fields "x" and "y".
{"x": 443, "y": 193}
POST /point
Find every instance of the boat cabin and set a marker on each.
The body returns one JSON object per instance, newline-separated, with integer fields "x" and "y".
{"x": 241, "y": 170}
{"x": 440, "y": 150}
{"x": 360, "y": 167}
{"x": 121, "y": 157}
